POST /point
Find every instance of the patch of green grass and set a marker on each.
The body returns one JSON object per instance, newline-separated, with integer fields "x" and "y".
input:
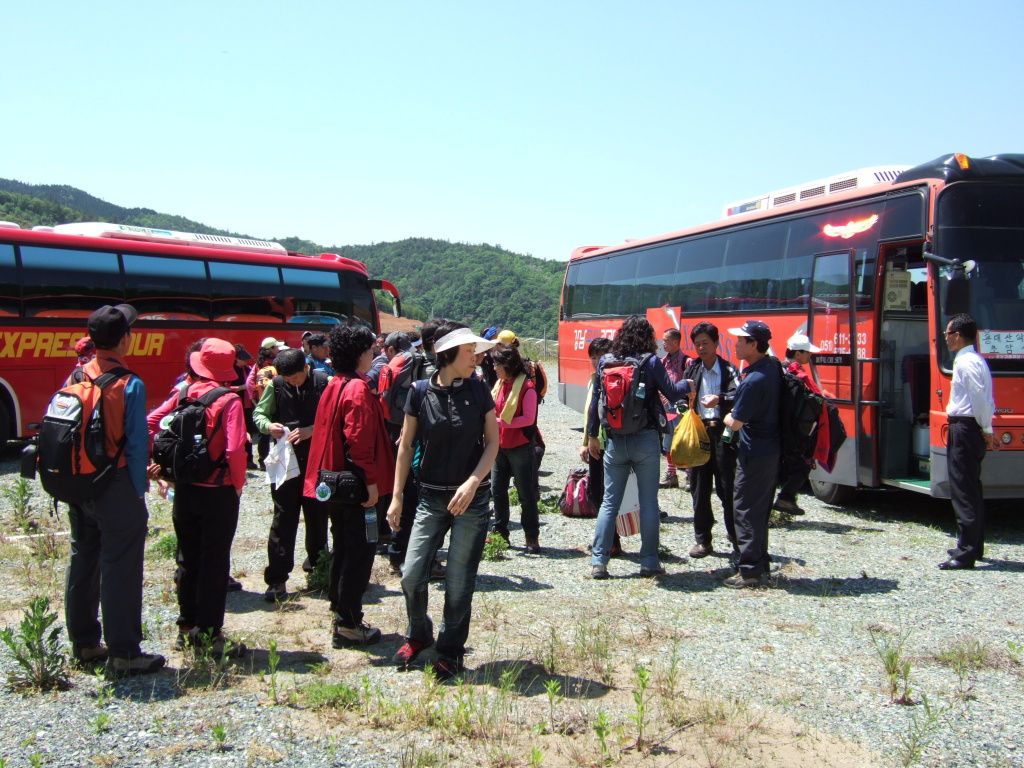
{"x": 166, "y": 546}
{"x": 323, "y": 695}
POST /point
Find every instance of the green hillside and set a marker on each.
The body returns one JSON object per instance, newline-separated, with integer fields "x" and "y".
{"x": 476, "y": 284}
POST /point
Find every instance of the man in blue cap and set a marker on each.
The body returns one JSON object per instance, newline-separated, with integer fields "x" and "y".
{"x": 755, "y": 420}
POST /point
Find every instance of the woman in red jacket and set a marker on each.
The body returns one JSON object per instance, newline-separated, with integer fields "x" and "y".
{"x": 515, "y": 403}
{"x": 350, "y": 425}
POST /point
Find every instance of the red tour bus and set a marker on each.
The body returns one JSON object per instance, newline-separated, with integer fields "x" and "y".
{"x": 184, "y": 286}
{"x": 871, "y": 265}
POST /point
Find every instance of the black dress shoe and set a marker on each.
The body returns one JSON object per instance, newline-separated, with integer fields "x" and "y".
{"x": 955, "y": 565}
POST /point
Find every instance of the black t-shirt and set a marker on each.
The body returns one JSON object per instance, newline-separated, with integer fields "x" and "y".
{"x": 450, "y": 429}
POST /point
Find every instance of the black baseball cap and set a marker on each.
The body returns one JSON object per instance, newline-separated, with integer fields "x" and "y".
{"x": 108, "y": 325}
{"x": 755, "y": 329}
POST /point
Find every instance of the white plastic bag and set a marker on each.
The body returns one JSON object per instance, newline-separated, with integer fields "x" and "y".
{"x": 282, "y": 464}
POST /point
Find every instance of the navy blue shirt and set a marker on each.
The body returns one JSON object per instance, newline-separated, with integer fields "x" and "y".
{"x": 757, "y": 406}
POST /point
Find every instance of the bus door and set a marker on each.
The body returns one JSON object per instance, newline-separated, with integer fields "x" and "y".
{"x": 832, "y": 325}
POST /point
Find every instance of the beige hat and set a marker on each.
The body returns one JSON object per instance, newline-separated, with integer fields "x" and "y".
{"x": 462, "y": 336}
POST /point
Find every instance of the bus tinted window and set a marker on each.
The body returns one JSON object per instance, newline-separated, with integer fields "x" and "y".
{"x": 245, "y": 293}
{"x": 656, "y": 277}
{"x": 315, "y": 297}
{"x": 68, "y": 283}
{"x": 699, "y": 273}
{"x": 620, "y": 279}
{"x": 10, "y": 301}
{"x": 753, "y": 265}
{"x": 588, "y": 299}
{"x": 167, "y": 289}
{"x": 356, "y": 288}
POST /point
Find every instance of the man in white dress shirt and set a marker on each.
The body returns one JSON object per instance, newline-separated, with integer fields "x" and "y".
{"x": 969, "y": 411}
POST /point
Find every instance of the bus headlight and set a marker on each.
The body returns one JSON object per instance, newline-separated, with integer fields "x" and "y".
{"x": 1007, "y": 438}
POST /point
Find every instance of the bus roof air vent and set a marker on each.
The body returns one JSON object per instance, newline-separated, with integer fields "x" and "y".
{"x": 865, "y": 177}
{"x": 9, "y": 225}
{"x": 146, "y": 234}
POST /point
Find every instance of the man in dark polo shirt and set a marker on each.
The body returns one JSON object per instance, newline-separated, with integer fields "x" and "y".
{"x": 755, "y": 419}
{"x": 290, "y": 401}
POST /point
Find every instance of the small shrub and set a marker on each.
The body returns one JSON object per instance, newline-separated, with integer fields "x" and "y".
{"x": 319, "y": 578}
{"x": 36, "y": 649}
{"x": 513, "y": 496}
{"x": 166, "y": 546}
{"x": 323, "y": 695}
{"x": 495, "y": 548}
{"x": 20, "y": 497}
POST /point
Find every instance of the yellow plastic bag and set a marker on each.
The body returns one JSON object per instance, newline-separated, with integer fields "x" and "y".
{"x": 691, "y": 445}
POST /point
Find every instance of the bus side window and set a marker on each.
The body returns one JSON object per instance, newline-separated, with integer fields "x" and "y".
{"x": 59, "y": 282}
{"x": 245, "y": 293}
{"x": 313, "y": 296}
{"x": 10, "y": 295}
{"x": 162, "y": 288}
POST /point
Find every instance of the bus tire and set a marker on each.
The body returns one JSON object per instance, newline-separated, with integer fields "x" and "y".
{"x": 831, "y": 493}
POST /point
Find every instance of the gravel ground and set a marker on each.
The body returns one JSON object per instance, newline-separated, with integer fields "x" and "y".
{"x": 801, "y": 647}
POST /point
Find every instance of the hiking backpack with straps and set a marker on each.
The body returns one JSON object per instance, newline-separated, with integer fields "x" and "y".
{"x": 799, "y": 411}
{"x": 72, "y": 453}
{"x": 182, "y": 447}
{"x": 395, "y": 383}
{"x": 623, "y": 406}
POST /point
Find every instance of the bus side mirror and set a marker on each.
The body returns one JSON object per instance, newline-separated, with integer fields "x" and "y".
{"x": 958, "y": 294}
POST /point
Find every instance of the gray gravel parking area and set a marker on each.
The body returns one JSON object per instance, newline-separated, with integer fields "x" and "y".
{"x": 847, "y": 584}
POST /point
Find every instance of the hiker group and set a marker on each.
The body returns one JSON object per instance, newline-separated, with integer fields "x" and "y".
{"x": 391, "y": 445}
{"x": 382, "y": 444}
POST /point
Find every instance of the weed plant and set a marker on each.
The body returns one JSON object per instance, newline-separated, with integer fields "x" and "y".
{"x": 220, "y": 737}
{"x": 641, "y": 682}
{"x": 513, "y": 496}
{"x": 319, "y": 578}
{"x": 166, "y": 546}
{"x": 36, "y": 649}
{"x": 495, "y": 548}
{"x": 273, "y": 659}
{"x": 890, "y": 650}
{"x": 19, "y": 496}
{"x": 923, "y": 726}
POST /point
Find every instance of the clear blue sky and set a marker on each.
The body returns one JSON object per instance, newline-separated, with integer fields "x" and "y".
{"x": 540, "y": 126}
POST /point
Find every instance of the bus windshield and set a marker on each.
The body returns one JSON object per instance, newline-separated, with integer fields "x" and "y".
{"x": 985, "y": 223}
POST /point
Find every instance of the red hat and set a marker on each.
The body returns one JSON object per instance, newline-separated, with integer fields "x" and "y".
{"x": 84, "y": 346}
{"x": 215, "y": 360}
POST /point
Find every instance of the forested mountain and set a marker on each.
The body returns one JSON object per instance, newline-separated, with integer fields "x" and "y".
{"x": 477, "y": 284}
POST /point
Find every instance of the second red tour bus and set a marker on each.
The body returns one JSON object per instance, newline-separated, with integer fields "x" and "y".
{"x": 870, "y": 265}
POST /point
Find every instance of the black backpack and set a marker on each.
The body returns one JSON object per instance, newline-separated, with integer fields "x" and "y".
{"x": 799, "y": 412}
{"x": 72, "y": 455}
{"x": 181, "y": 447}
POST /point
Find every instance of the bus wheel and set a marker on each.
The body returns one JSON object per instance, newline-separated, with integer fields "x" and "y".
{"x": 831, "y": 493}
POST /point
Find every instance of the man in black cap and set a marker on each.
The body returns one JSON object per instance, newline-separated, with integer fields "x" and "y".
{"x": 755, "y": 420}
{"x": 108, "y": 535}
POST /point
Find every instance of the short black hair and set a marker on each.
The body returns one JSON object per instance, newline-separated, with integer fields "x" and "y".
{"x": 428, "y": 332}
{"x": 508, "y": 357}
{"x": 709, "y": 328}
{"x": 195, "y": 346}
{"x": 348, "y": 342}
{"x": 290, "y": 361}
{"x": 317, "y": 340}
{"x": 447, "y": 357}
{"x": 674, "y": 333}
{"x": 599, "y": 347}
{"x": 965, "y": 325}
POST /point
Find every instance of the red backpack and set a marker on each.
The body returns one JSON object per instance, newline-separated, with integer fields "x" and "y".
{"x": 395, "y": 382}
{"x": 574, "y": 501}
{"x": 623, "y": 405}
